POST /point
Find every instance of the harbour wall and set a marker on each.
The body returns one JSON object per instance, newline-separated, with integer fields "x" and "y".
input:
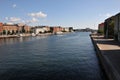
{"x": 109, "y": 69}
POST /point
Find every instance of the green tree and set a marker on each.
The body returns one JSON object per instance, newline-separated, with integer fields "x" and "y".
{"x": 31, "y": 31}
{"x": 4, "y": 32}
{"x": 13, "y": 32}
{"x": 16, "y": 31}
{"x": 23, "y": 29}
{"x": 111, "y": 28}
{"x": 100, "y": 32}
{"x": 8, "y": 32}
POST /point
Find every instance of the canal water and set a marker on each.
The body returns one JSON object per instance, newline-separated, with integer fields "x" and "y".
{"x": 56, "y": 57}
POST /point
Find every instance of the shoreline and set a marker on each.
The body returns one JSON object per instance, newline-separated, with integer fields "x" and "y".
{"x": 8, "y": 36}
{"x": 28, "y": 35}
{"x": 108, "y": 52}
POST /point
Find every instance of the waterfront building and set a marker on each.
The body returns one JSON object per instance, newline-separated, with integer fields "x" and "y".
{"x": 71, "y": 29}
{"x": 9, "y": 28}
{"x": 27, "y": 28}
{"x": 40, "y": 29}
{"x": 101, "y": 28}
{"x": 109, "y": 27}
{"x": 46, "y": 29}
{"x": 67, "y": 29}
{"x": 1, "y": 28}
{"x": 20, "y": 28}
{"x": 23, "y": 28}
{"x": 117, "y": 27}
{"x": 57, "y": 29}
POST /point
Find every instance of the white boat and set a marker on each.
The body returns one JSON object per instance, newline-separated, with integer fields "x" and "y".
{"x": 58, "y": 33}
{"x": 33, "y": 34}
{"x": 20, "y": 35}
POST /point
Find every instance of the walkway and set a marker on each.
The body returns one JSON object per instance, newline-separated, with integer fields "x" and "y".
{"x": 108, "y": 51}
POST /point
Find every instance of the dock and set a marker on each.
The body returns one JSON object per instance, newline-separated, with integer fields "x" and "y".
{"x": 9, "y": 36}
{"x": 108, "y": 52}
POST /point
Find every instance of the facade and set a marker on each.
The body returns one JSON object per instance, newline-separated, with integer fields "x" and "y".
{"x": 1, "y": 28}
{"x": 67, "y": 29}
{"x": 117, "y": 27}
{"x": 46, "y": 29}
{"x": 61, "y": 29}
{"x": 40, "y": 29}
{"x": 8, "y": 29}
{"x": 57, "y": 29}
{"x": 20, "y": 28}
{"x": 71, "y": 29}
{"x": 101, "y": 27}
{"x": 109, "y": 27}
{"x": 23, "y": 28}
{"x": 27, "y": 28}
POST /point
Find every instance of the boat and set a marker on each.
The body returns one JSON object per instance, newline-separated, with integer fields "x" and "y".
{"x": 58, "y": 33}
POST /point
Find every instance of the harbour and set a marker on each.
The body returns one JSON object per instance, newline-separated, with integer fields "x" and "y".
{"x": 56, "y": 57}
{"x": 108, "y": 51}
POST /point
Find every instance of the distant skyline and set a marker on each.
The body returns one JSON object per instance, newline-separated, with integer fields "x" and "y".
{"x": 67, "y": 13}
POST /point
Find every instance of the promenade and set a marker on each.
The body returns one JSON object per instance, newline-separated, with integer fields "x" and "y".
{"x": 108, "y": 52}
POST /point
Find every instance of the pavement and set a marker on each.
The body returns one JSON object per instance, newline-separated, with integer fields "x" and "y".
{"x": 110, "y": 55}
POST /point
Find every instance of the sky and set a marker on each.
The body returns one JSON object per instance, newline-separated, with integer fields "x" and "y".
{"x": 78, "y": 14}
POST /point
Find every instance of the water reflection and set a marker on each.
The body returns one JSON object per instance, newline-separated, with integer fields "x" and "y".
{"x": 66, "y": 57}
{"x": 6, "y": 41}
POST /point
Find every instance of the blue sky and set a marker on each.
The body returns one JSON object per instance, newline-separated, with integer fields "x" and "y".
{"x": 75, "y": 13}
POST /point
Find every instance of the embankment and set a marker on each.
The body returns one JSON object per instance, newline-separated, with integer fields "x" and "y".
{"x": 108, "y": 52}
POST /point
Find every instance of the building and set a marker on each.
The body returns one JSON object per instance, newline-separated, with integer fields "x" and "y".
{"x": 117, "y": 27}
{"x": 66, "y": 29}
{"x": 109, "y": 27}
{"x": 71, "y": 29}
{"x": 23, "y": 28}
{"x": 1, "y": 28}
{"x": 9, "y": 28}
{"x": 57, "y": 29}
{"x": 40, "y": 29}
{"x": 101, "y": 28}
{"x": 46, "y": 29}
{"x": 27, "y": 28}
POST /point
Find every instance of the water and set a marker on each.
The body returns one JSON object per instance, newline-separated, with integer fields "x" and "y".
{"x": 57, "y": 57}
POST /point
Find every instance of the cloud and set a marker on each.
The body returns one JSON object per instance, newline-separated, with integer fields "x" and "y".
{"x": 38, "y": 15}
{"x": 108, "y": 15}
{"x": 6, "y": 18}
{"x": 102, "y": 17}
{"x": 12, "y": 19}
{"x": 14, "y": 5}
{"x": 33, "y": 20}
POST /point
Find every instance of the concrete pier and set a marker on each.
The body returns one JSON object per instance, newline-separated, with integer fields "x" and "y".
{"x": 108, "y": 52}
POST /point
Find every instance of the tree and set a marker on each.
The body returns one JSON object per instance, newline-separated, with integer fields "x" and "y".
{"x": 13, "y": 32}
{"x": 8, "y": 32}
{"x": 16, "y": 31}
{"x": 4, "y": 32}
{"x": 100, "y": 31}
{"x": 23, "y": 30}
{"x": 31, "y": 31}
{"x": 111, "y": 29}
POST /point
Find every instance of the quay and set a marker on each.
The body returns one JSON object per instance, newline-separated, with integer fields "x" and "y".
{"x": 108, "y": 52}
{"x": 14, "y": 36}
{"x": 28, "y": 35}
{"x": 8, "y": 36}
